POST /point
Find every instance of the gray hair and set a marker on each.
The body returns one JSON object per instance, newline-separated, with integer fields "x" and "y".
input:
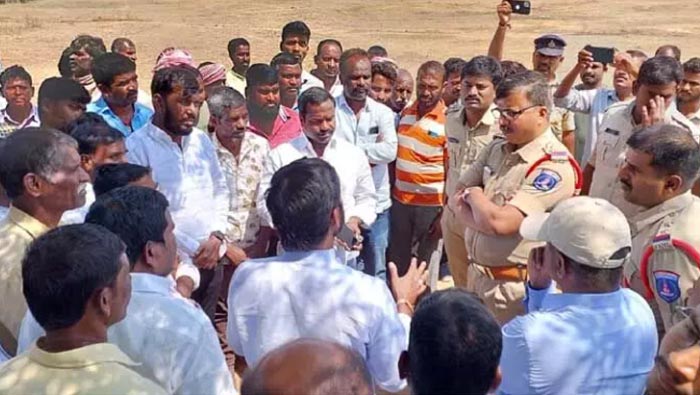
{"x": 532, "y": 83}
{"x": 31, "y": 150}
{"x": 223, "y": 99}
{"x": 672, "y": 148}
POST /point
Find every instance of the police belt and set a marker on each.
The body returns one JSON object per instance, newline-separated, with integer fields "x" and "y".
{"x": 504, "y": 273}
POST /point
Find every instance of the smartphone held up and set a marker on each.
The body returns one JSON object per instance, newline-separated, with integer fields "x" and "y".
{"x": 521, "y": 7}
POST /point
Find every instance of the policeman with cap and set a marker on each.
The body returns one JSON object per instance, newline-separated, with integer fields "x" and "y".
{"x": 593, "y": 337}
{"x": 661, "y": 165}
{"x": 525, "y": 171}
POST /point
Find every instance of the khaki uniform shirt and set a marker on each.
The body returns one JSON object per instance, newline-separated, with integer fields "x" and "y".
{"x": 671, "y": 272}
{"x": 501, "y": 171}
{"x": 609, "y": 153}
{"x": 560, "y": 119}
{"x": 17, "y": 231}
{"x": 465, "y": 143}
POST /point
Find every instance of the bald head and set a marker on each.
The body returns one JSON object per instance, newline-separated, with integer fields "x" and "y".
{"x": 309, "y": 366}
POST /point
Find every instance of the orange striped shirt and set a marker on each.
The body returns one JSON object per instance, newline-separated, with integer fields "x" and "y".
{"x": 420, "y": 168}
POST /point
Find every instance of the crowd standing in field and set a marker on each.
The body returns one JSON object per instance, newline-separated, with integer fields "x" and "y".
{"x": 266, "y": 229}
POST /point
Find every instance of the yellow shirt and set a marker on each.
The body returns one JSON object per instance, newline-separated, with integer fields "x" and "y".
{"x": 95, "y": 369}
{"x": 17, "y": 231}
{"x": 236, "y": 81}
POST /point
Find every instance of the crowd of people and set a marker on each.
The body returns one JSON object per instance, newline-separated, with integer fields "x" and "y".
{"x": 266, "y": 229}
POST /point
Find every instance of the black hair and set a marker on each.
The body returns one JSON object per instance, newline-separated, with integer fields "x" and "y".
{"x": 119, "y": 43}
{"x": 454, "y": 65}
{"x": 483, "y": 66}
{"x": 432, "y": 66}
{"x": 386, "y": 70}
{"x": 136, "y": 214}
{"x": 328, "y": 41}
{"x": 313, "y": 97}
{"x": 106, "y": 67}
{"x": 660, "y": 70}
{"x": 673, "y": 150}
{"x": 15, "y": 72}
{"x": 510, "y": 67}
{"x": 692, "y": 65}
{"x": 234, "y": 44}
{"x": 260, "y": 74}
{"x": 350, "y": 54}
{"x": 301, "y": 198}
{"x": 91, "y": 135}
{"x": 86, "y": 119}
{"x": 296, "y": 28}
{"x": 167, "y": 79}
{"x": 64, "y": 268}
{"x": 531, "y": 82}
{"x": 377, "y": 50}
{"x": 93, "y": 45}
{"x": 284, "y": 58}
{"x": 454, "y": 345}
{"x": 597, "y": 278}
{"x": 673, "y": 48}
{"x": 31, "y": 150}
{"x": 62, "y": 88}
{"x": 116, "y": 175}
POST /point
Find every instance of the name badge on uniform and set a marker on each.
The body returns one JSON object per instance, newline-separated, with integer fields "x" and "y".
{"x": 453, "y": 140}
{"x": 667, "y": 285}
{"x": 374, "y": 130}
{"x": 612, "y": 131}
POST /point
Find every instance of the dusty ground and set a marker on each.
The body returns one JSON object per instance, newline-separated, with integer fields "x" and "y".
{"x": 34, "y": 34}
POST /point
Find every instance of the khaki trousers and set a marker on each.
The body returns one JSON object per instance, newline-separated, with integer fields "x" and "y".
{"x": 453, "y": 239}
{"x": 503, "y": 298}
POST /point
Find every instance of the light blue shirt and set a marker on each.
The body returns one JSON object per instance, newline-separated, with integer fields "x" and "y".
{"x": 142, "y": 115}
{"x": 373, "y": 130}
{"x": 579, "y": 344}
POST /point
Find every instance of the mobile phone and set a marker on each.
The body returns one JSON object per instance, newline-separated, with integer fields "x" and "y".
{"x": 347, "y": 236}
{"x": 603, "y": 55}
{"x": 520, "y": 7}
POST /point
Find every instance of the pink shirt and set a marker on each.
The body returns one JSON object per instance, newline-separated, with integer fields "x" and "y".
{"x": 287, "y": 127}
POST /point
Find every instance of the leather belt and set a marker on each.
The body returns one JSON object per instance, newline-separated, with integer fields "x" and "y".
{"x": 505, "y": 273}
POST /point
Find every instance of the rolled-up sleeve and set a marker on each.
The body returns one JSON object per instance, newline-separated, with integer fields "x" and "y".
{"x": 577, "y": 100}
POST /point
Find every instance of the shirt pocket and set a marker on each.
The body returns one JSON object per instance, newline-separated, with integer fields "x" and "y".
{"x": 609, "y": 140}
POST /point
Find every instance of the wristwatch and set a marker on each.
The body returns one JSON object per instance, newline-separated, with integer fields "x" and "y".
{"x": 222, "y": 237}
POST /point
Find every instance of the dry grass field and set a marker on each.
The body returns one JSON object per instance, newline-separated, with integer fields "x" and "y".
{"x": 33, "y": 34}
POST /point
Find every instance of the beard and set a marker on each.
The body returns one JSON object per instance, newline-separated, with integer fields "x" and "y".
{"x": 173, "y": 127}
{"x": 264, "y": 112}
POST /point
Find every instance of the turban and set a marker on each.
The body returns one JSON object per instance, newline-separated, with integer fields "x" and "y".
{"x": 212, "y": 73}
{"x": 172, "y": 57}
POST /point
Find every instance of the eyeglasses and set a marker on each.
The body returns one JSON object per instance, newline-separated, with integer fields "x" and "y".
{"x": 508, "y": 113}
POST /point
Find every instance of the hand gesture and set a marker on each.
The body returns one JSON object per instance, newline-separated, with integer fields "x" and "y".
{"x": 539, "y": 278}
{"x": 410, "y": 286}
{"x": 654, "y": 112}
{"x": 585, "y": 59}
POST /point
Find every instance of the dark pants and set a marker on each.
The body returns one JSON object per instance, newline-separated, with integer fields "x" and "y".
{"x": 207, "y": 294}
{"x": 409, "y": 235}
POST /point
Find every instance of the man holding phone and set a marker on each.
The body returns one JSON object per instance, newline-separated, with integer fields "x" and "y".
{"x": 547, "y": 56}
{"x": 594, "y": 102}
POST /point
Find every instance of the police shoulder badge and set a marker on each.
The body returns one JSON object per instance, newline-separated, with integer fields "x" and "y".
{"x": 546, "y": 180}
{"x": 667, "y": 285}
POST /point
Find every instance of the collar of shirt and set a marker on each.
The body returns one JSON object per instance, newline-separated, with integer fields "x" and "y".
{"x": 533, "y": 150}
{"x": 283, "y": 115}
{"x": 342, "y": 103}
{"x": 556, "y": 301}
{"x": 303, "y": 144}
{"x": 313, "y": 257}
{"x": 33, "y": 117}
{"x": 236, "y": 75}
{"x": 160, "y": 135}
{"x": 436, "y": 113}
{"x": 141, "y": 113}
{"x": 487, "y": 119}
{"x": 154, "y": 284}
{"x": 94, "y": 354}
{"x": 650, "y": 216}
{"x": 31, "y": 225}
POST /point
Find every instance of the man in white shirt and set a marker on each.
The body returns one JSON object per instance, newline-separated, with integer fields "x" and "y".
{"x": 17, "y": 87}
{"x": 370, "y": 126}
{"x": 594, "y": 102}
{"x": 327, "y": 60}
{"x": 317, "y": 112}
{"x": 295, "y": 40}
{"x": 307, "y": 292}
{"x": 186, "y": 168}
{"x": 171, "y": 337}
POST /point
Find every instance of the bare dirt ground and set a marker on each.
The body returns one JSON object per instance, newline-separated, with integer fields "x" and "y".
{"x": 34, "y": 34}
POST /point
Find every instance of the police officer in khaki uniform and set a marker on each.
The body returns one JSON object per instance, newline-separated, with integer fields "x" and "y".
{"x": 526, "y": 171}
{"x": 655, "y": 91}
{"x": 470, "y": 127}
{"x": 662, "y": 163}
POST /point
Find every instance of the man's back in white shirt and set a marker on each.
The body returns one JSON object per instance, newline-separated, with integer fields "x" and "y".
{"x": 171, "y": 337}
{"x": 311, "y": 294}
